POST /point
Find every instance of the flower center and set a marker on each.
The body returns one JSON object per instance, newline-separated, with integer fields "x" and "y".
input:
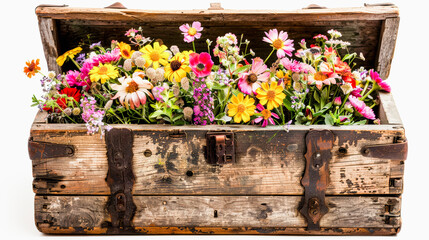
{"x": 241, "y": 108}
{"x": 192, "y": 31}
{"x": 175, "y": 65}
{"x": 271, "y": 95}
{"x": 154, "y": 56}
{"x": 200, "y": 66}
{"x": 266, "y": 114}
{"x": 125, "y": 53}
{"x": 251, "y": 78}
{"x": 319, "y": 76}
{"x": 32, "y": 67}
{"x": 278, "y": 43}
{"x": 102, "y": 70}
{"x": 132, "y": 87}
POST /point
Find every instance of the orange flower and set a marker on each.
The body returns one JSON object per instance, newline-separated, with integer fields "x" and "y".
{"x": 126, "y": 51}
{"x": 32, "y": 68}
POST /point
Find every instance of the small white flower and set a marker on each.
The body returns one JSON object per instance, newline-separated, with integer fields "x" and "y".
{"x": 346, "y": 88}
{"x": 174, "y": 49}
{"x": 51, "y": 74}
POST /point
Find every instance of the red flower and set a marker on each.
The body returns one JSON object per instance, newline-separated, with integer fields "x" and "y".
{"x": 201, "y": 64}
{"x": 348, "y": 77}
{"x": 63, "y": 102}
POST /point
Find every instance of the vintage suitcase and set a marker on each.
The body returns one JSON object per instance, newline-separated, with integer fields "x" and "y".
{"x": 232, "y": 179}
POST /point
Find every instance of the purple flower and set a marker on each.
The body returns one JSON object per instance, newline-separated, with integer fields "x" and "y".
{"x": 92, "y": 116}
{"x": 203, "y": 100}
{"x": 157, "y": 91}
{"x": 97, "y": 44}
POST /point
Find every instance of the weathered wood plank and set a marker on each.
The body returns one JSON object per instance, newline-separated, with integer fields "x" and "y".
{"x": 331, "y": 14}
{"x": 389, "y": 32}
{"x": 166, "y": 165}
{"x": 388, "y": 112}
{"x": 48, "y": 34}
{"x": 89, "y": 212}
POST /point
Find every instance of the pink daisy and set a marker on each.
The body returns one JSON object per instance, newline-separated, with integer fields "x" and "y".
{"x": 251, "y": 80}
{"x": 382, "y": 84}
{"x": 191, "y": 32}
{"x": 280, "y": 42}
{"x": 321, "y": 36}
{"x": 201, "y": 64}
{"x": 362, "y": 108}
{"x": 73, "y": 79}
{"x": 267, "y": 116}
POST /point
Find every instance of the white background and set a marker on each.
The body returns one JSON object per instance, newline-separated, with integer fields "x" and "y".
{"x": 20, "y": 41}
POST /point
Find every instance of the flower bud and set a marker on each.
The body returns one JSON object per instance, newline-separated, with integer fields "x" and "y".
{"x": 68, "y": 111}
{"x": 76, "y": 111}
{"x": 346, "y": 88}
{"x": 128, "y": 65}
{"x": 377, "y": 121}
{"x": 136, "y": 55}
{"x": 174, "y": 49}
{"x": 180, "y": 103}
{"x": 187, "y": 112}
{"x": 51, "y": 74}
{"x": 176, "y": 90}
{"x": 295, "y": 76}
{"x": 151, "y": 73}
{"x": 108, "y": 105}
{"x": 348, "y": 107}
{"x": 185, "y": 83}
{"x": 337, "y": 101}
{"x": 140, "y": 62}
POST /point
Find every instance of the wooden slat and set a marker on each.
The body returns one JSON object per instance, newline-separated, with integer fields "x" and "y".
{"x": 83, "y": 213}
{"x": 263, "y": 166}
{"x": 388, "y": 112}
{"x": 389, "y": 33}
{"x": 331, "y": 14}
{"x": 48, "y": 34}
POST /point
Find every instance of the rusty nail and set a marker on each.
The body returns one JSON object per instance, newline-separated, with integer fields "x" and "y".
{"x": 69, "y": 151}
{"x": 366, "y": 151}
{"x": 164, "y": 203}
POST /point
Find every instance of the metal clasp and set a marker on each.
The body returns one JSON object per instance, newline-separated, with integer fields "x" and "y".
{"x": 220, "y": 147}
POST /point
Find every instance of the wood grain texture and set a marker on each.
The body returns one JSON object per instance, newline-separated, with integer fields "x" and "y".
{"x": 388, "y": 113}
{"x": 331, "y": 14}
{"x": 168, "y": 166}
{"x": 389, "y": 33}
{"x": 86, "y": 213}
{"x": 48, "y": 34}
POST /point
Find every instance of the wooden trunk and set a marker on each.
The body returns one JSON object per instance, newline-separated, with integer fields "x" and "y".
{"x": 158, "y": 179}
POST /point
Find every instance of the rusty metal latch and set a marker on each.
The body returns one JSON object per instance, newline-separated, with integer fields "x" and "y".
{"x": 43, "y": 150}
{"x": 319, "y": 144}
{"x": 220, "y": 147}
{"x": 393, "y": 151}
{"x": 120, "y": 178}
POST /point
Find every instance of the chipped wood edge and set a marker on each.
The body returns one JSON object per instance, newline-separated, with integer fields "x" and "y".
{"x": 330, "y": 14}
{"x": 386, "y": 49}
{"x": 48, "y": 34}
{"x": 388, "y": 112}
{"x": 46, "y": 228}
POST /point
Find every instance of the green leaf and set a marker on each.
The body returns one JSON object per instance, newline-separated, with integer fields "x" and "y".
{"x": 156, "y": 114}
{"x": 179, "y": 116}
{"x": 362, "y": 122}
{"x": 349, "y": 56}
{"x": 316, "y": 96}
{"x": 242, "y": 69}
{"x": 329, "y": 120}
{"x": 324, "y": 95}
{"x": 288, "y": 104}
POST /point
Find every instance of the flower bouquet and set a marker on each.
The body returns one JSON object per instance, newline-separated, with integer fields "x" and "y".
{"x": 145, "y": 82}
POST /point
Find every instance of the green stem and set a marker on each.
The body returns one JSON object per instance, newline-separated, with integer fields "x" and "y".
{"x": 369, "y": 92}
{"x": 366, "y": 86}
{"x": 345, "y": 100}
{"x": 114, "y": 114}
{"x": 269, "y": 55}
{"x": 75, "y": 63}
{"x": 193, "y": 45}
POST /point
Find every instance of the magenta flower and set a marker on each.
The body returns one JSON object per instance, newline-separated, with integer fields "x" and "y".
{"x": 280, "y": 42}
{"x": 356, "y": 92}
{"x": 382, "y": 84}
{"x": 157, "y": 91}
{"x": 362, "y": 108}
{"x": 321, "y": 36}
{"x": 131, "y": 32}
{"x": 201, "y": 64}
{"x": 251, "y": 80}
{"x": 267, "y": 116}
{"x": 191, "y": 32}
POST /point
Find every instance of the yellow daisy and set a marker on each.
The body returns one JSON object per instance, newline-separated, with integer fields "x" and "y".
{"x": 241, "y": 108}
{"x": 69, "y": 54}
{"x": 271, "y": 95}
{"x": 177, "y": 68}
{"x": 103, "y": 73}
{"x": 125, "y": 50}
{"x": 155, "y": 55}
{"x": 186, "y": 55}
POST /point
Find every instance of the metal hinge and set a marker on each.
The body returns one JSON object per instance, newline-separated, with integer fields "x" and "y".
{"x": 43, "y": 150}
{"x": 120, "y": 178}
{"x": 393, "y": 151}
{"x": 220, "y": 147}
{"x": 319, "y": 145}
